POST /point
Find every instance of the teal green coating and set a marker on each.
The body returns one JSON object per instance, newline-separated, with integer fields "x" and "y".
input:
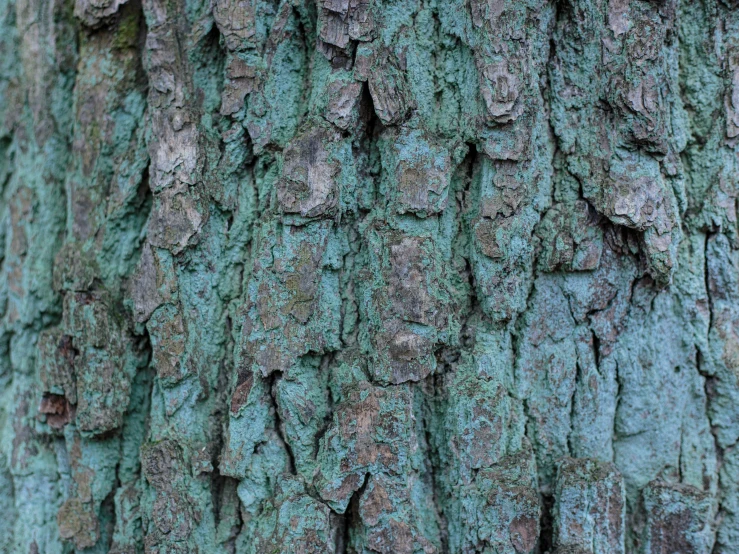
{"x": 369, "y": 276}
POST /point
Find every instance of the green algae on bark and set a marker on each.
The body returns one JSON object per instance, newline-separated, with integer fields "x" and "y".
{"x": 390, "y": 276}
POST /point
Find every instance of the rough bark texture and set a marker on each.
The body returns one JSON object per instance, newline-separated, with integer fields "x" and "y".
{"x": 378, "y": 276}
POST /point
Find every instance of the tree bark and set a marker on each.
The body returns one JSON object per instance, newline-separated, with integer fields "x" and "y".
{"x": 377, "y": 276}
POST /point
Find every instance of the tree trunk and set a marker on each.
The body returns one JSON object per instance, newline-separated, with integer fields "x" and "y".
{"x": 377, "y": 276}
